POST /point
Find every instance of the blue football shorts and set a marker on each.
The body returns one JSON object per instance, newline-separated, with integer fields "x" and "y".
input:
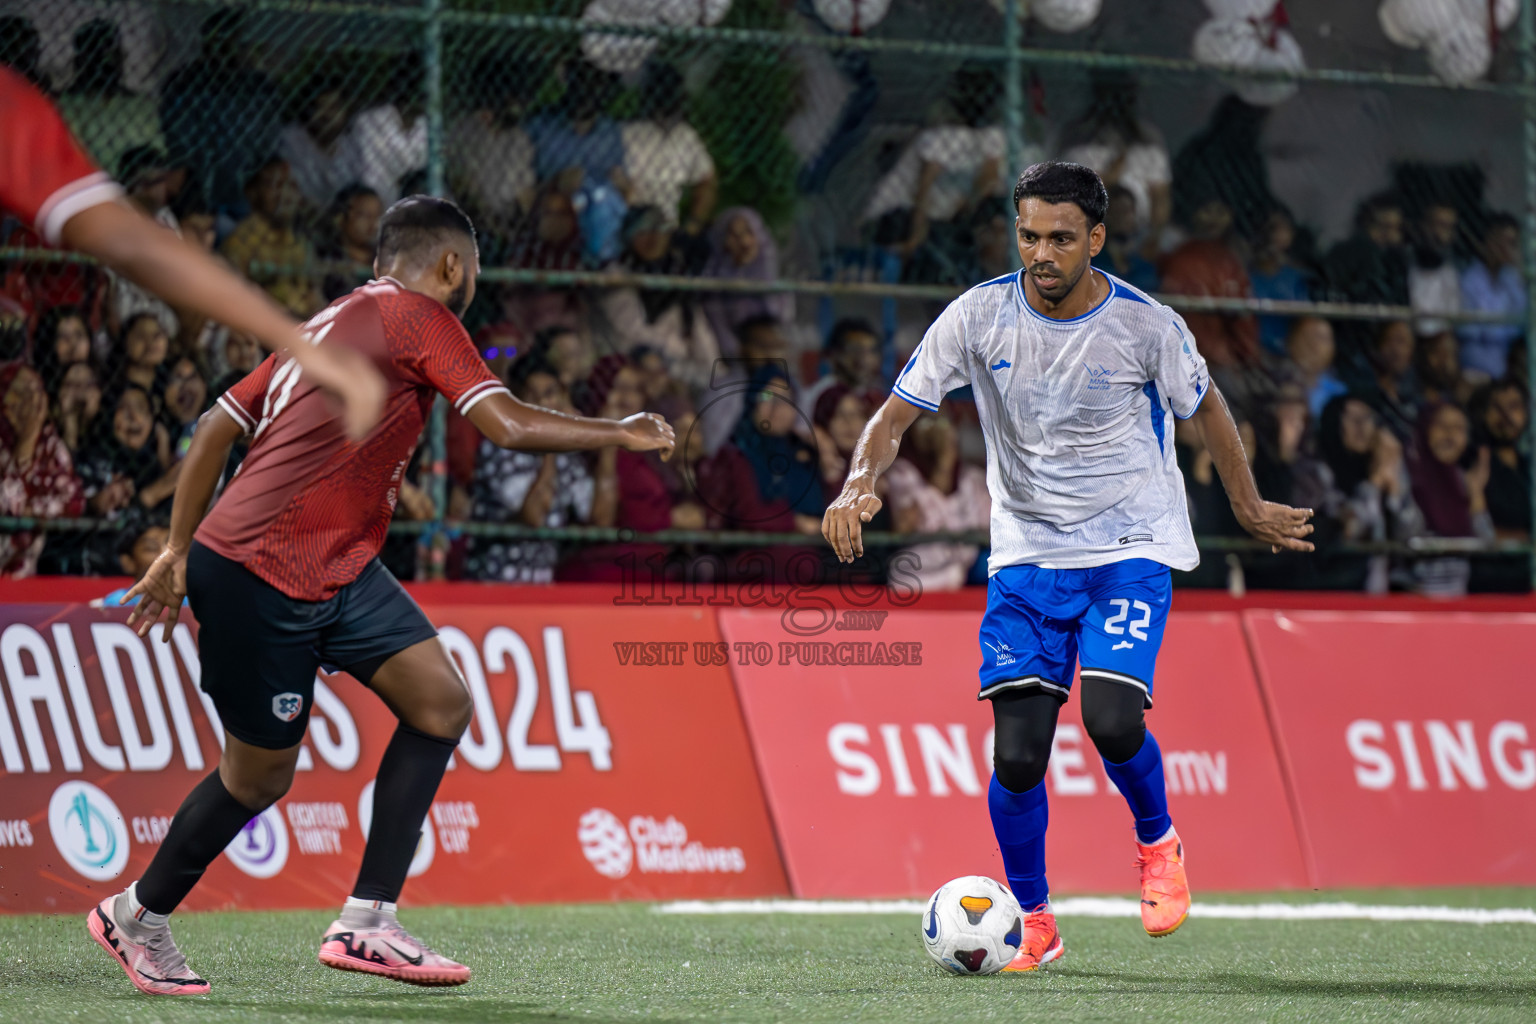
{"x": 1040, "y": 622}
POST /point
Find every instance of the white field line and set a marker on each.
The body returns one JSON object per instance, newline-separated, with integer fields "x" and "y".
{"x": 1105, "y": 907}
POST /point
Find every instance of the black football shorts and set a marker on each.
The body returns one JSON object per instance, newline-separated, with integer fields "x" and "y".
{"x": 260, "y": 648}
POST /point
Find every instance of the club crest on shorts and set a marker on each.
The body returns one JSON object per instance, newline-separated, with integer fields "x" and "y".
{"x": 287, "y": 706}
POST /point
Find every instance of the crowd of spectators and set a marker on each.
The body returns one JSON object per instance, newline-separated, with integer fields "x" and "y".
{"x": 1390, "y": 430}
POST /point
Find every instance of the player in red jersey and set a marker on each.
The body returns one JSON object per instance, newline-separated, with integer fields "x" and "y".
{"x": 283, "y": 576}
{"x": 48, "y": 180}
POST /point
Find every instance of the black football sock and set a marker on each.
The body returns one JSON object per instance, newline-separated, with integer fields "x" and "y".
{"x": 208, "y": 819}
{"x": 412, "y": 766}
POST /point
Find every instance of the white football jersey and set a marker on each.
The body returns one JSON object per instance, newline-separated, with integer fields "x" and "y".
{"x": 1078, "y": 420}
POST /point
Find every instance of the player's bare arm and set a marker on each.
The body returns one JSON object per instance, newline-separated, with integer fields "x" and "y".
{"x": 1281, "y": 526}
{"x": 445, "y": 268}
{"x": 152, "y": 256}
{"x": 510, "y": 423}
{"x": 843, "y": 523}
{"x": 164, "y": 585}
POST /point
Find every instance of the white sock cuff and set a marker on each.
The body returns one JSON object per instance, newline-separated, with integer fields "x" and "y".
{"x": 1162, "y": 838}
{"x": 377, "y": 906}
{"x": 140, "y": 913}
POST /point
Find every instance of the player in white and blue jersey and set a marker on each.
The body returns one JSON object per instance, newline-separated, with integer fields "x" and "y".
{"x": 1077, "y": 377}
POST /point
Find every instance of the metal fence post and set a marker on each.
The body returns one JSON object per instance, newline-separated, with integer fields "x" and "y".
{"x": 1528, "y": 234}
{"x": 1013, "y": 87}
{"x": 432, "y": 60}
{"x": 434, "y": 542}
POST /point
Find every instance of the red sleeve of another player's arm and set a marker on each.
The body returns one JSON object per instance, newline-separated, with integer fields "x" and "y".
{"x": 431, "y": 347}
{"x": 243, "y": 399}
{"x": 45, "y": 177}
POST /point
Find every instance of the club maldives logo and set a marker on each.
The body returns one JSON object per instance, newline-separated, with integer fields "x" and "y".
{"x": 88, "y": 830}
{"x": 261, "y": 848}
{"x": 659, "y": 847}
{"x": 605, "y": 843}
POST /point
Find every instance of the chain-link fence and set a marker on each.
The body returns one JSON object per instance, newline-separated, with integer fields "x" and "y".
{"x": 674, "y": 196}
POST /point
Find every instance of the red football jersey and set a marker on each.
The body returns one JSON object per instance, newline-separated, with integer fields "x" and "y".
{"x": 308, "y": 509}
{"x": 45, "y": 177}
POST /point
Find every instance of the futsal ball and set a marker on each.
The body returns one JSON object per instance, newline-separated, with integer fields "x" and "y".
{"x": 973, "y": 926}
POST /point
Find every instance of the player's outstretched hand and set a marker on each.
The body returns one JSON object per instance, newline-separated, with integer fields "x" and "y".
{"x": 648, "y": 432}
{"x": 1280, "y": 526}
{"x": 843, "y": 525}
{"x": 160, "y": 590}
{"x": 349, "y": 376}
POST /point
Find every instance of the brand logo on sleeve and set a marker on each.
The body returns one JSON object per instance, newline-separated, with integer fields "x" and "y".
{"x": 1001, "y": 364}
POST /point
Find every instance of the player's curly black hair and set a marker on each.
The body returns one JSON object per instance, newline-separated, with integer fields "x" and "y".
{"x": 1056, "y": 181}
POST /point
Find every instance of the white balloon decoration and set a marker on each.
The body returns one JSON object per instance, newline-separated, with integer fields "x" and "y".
{"x": 1505, "y": 12}
{"x": 695, "y": 12}
{"x": 1059, "y": 15}
{"x": 1065, "y": 15}
{"x": 1421, "y": 20}
{"x": 1390, "y": 16}
{"x": 1227, "y": 43}
{"x": 1456, "y": 33}
{"x": 1461, "y": 55}
{"x": 1241, "y": 44}
{"x": 1284, "y": 55}
{"x": 1258, "y": 9}
{"x": 616, "y": 54}
{"x": 851, "y": 15}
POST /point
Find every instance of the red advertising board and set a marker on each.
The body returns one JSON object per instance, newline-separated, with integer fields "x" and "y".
{"x": 876, "y": 772}
{"x": 1410, "y": 739}
{"x": 610, "y": 755}
{"x": 606, "y": 761}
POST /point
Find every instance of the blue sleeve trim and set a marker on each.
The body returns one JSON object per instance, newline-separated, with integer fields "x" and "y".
{"x": 901, "y": 392}
{"x": 910, "y": 360}
{"x": 1198, "y": 399}
{"x": 1125, "y": 291}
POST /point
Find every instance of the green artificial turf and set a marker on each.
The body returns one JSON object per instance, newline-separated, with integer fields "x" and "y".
{"x": 626, "y": 962}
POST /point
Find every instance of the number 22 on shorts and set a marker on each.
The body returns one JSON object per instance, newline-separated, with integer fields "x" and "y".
{"x": 1116, "y": 624}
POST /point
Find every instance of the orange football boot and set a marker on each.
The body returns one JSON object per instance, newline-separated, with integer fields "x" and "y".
{"x": 1041, "y": 943}
{"x": 1164, "y": 888}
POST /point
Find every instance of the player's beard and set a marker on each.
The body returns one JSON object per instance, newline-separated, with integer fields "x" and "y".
{"x": 1063, "y": 286}
{"x": 458, "y": 300}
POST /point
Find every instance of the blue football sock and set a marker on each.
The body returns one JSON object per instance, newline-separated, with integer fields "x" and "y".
{"x": 1019, "y": 821}
{"x": 1140, "y": 781}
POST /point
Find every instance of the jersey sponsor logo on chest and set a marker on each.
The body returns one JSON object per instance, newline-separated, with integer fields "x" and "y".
{"x": 1099, "y": 377}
